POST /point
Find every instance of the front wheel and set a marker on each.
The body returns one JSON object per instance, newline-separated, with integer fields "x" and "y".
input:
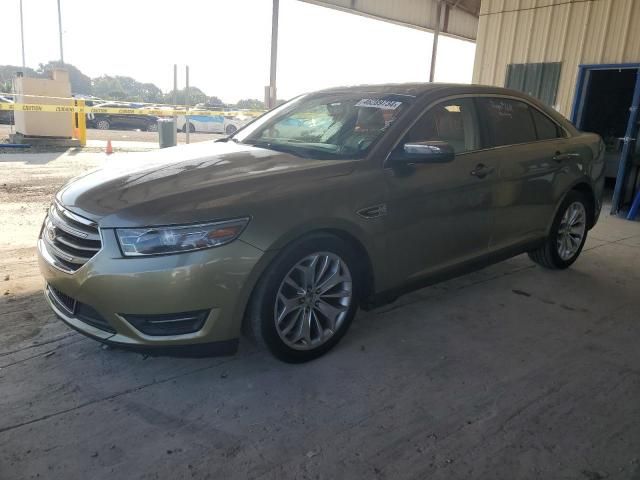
{"x": 568, "y": 234}
{"x": 152, "y": 127}
{"x": 306, "y": 300}
{"x": 231, "y": 129}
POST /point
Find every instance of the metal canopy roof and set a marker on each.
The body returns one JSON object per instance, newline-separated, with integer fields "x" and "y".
{"x": 459, "y": 18}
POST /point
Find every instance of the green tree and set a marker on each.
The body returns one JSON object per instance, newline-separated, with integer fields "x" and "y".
{"x": 126, "y": 88}
{"x": 151, "y": 93}
{"x": 195, "y": 96}
{"x": 250, "y": 104}
{"x": 108, "y": 88}
{"x": 80, "y": 83}
{"x": 214, "y": 101}
{"x": 8, "y": 73}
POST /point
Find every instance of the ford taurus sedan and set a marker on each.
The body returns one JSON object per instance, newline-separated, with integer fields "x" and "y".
{"x": 338, "y": 199}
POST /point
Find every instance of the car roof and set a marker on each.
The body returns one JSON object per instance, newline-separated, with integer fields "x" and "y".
{"x": 421, "y": 89}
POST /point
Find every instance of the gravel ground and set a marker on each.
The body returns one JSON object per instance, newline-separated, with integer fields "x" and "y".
{"x": 512, "y": 372}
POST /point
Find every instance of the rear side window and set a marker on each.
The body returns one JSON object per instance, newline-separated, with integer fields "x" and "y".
{"x": 545, "y": 127}
{"x": 508, "y": 122}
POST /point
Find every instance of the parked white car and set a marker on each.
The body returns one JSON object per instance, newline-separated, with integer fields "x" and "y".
{"x": 212, "y": 123}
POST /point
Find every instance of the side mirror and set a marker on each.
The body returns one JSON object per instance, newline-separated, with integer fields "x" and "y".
{"x": 424, "y": 152}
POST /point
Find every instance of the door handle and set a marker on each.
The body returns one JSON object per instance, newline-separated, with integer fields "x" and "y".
{"x": 561, "y": 157}
{"x": 481, "y": 171}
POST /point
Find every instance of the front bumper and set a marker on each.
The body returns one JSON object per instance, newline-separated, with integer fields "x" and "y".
{"x": 217, "y": 280}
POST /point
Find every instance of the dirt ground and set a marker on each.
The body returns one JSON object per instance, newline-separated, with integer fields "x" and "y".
{"x": 512, "y": 372}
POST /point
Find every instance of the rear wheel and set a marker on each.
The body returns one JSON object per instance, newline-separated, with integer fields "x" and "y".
{"x": 152, "y": 127}
{"x": 306, "y": 300}
{"x": 568, "y": 234}
{"x": 230, "y": 129}
{"x": 103, "y": 124}
{"x": 190, "y": 126}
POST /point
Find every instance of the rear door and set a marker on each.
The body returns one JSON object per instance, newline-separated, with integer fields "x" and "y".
{"x": 116, "y": 120}
{"x": 529, "y": 148}
{"x": 438, "y": 214}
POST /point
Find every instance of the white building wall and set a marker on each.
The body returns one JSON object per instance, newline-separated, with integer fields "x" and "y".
{"x": 573, "y": 32}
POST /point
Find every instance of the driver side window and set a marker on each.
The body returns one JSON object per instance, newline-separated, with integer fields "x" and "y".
{"x": 452, "y": 121}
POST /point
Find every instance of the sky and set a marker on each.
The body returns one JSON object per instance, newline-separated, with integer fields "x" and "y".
{"x": 226, "y": 44}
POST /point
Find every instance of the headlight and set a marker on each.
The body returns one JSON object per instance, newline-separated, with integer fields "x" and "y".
{"x": 178, "y": 238}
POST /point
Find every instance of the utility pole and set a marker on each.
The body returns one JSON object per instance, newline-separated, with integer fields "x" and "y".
{"x": 24, "y": 63}
{"x": 434, "y": 50}
{"x": 274, "y": 55}
{"x": 60, "y": 32}
{"x": 187, "y": 100}
{"x": 175, "y": 98}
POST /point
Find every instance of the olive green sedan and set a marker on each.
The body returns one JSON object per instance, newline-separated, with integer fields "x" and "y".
{"x": 337, "y": 199}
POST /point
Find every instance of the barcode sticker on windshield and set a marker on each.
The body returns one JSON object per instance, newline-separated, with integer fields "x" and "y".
{"x": 378, "y": 103}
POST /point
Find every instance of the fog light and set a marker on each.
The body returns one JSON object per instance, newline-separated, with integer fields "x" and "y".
{"x": 168, "y": 324}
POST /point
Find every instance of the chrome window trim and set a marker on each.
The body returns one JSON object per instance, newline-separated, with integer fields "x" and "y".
{"x": 472, "y": 96}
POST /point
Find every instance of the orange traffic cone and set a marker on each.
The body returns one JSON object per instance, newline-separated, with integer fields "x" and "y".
{"x": 109, "y": 149}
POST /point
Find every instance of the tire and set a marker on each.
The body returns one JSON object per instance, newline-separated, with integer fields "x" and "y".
{"x": 555, "y": 254}
{"x": 267, "y": 301}
{"x": 230, "y": 129}
{"x": 192, "y": 128}
{"x": 103, "y": 124}
{"x": 152, "y": 127}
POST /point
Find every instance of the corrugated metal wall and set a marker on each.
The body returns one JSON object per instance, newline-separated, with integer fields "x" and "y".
{"x": 573, "y": 32}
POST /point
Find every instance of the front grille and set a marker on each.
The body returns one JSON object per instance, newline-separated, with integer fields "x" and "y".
{"x": 78, "y": 310}
{"x": 70, "y": 240}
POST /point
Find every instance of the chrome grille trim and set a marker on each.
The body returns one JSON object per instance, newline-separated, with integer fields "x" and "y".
{"x": 76, "y": 218}
{"x": 60, "y": 302}
{"x": 91, "y": 233}
{"x": 67, "y": 240}
{"x": 64, "y": 255}
{"x": 69, "y": 243}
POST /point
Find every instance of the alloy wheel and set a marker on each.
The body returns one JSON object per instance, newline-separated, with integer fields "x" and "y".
{"x": 571, "y": 230}
{"x": 313, "y": 300}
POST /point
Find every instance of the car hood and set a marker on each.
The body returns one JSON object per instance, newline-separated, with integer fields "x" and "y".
{"x": 199, "y": 182}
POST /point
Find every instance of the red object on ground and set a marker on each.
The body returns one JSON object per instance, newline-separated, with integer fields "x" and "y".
{"x": 109, "y": 150}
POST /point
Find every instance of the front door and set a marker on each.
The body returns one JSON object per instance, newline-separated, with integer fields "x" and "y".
{"x": 438, "y": 215}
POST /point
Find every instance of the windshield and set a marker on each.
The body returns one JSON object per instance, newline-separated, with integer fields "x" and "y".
{"x": 331, "y": 126}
